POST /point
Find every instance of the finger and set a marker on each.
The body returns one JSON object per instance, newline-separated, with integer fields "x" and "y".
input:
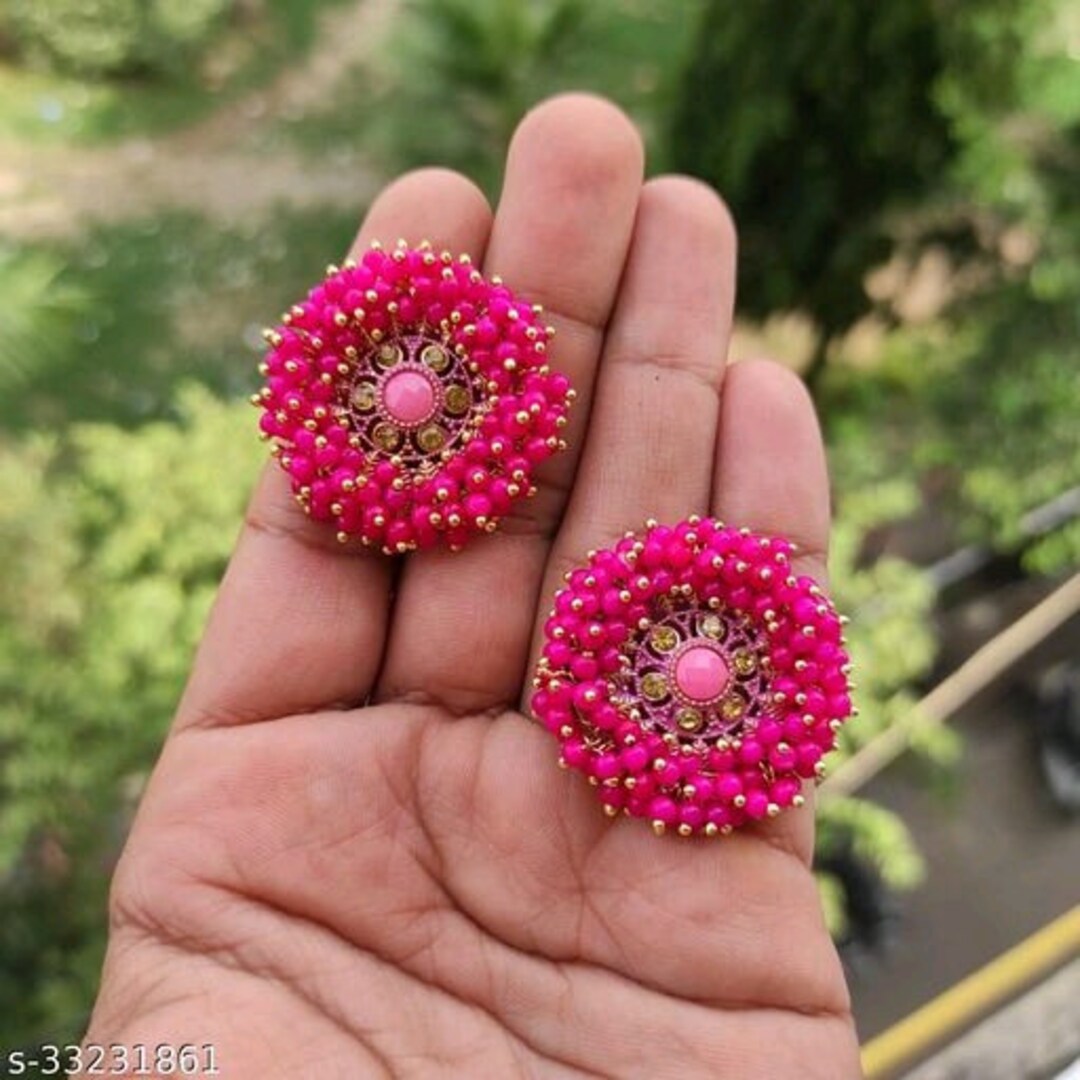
{"x": 300, "y": 622}
{"x": 771, "y": 477}
{"x": 462, "y": 621}
{"x": 651, "y": 441}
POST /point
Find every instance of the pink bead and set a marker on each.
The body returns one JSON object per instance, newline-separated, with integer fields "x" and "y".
{"x": 728, "y": 786}
{"x": 782, "y": 758}
{"x": 768, "y": 733}
{"x": 669, "y": 774}
{"x": 613, "y": 796}
{"x": 664, "y": 809}
{"x": 606, "y": 766}
{"x": 840, "y": 705}
{"x": 751, "y": 752}
{"x": 701, "y": 673}
{"x": 477, "y": 506}
{"x": 677, "y": 555}
{"x": 398, "y": 532}
{"x": 559, "y": 653}
{"x": 757, "y": 804}
{"x": 575, "y": 753}
{"x": 806, "y": 758}
{"x": 605, "y": 716}
{"x": 784, "y": 791}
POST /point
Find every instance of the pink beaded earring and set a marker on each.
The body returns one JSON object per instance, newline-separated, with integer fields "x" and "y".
{"x": 409, "y": 399}
{"x": 693, "y": 678}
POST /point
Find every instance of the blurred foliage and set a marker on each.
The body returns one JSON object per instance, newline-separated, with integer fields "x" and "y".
{"x": 892, "y": 645}
{"x": 979, "y": 402}
{"x": 495, "y": 53}
{"x": 37, "y": 318}
{"x": 456, "y": 76}
{"x": 112, "y": 544}
{"x": 877, "y": 836}
{"x": 983, "y": 412}
{"x": 113, "y": 37}
{"x": 142, "y": 304}
{"x": 242, "y": 53}
{"x": 810, "y": 133}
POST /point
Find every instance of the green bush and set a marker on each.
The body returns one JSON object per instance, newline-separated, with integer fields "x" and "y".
{"x": 892, "y": 644}
{"x": 113, "y": 37}
{"x": 37, "y": 317}
{"x": 112, "y": 544}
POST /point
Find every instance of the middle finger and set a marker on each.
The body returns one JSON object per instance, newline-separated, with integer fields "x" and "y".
{"x": 462, "y": 622}
{"x": 650, "y": 449}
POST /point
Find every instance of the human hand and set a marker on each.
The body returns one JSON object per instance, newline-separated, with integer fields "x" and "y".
{"x": 356, "y": 856}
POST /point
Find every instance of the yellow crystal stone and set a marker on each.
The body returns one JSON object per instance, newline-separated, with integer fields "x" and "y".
{"x": 654, "y": 686}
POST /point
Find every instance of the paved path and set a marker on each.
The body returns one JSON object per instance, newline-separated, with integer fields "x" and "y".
{"x": 1002, "y": 860}
{"x": 1034, "y": 1037}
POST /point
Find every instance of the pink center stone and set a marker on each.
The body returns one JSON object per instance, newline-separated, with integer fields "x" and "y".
{"x": 409, "y": 397}
{"x": 701, "y": 674}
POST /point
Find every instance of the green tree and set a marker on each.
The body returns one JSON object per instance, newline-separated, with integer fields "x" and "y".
{"x": 979, "y": 403}
{"x": 813, "y": 119}
{"x": 464, "y": 72}
{"x": 893, "y": 646}
{"x": 868, "y": 134}
{"x": 822, "y": 123}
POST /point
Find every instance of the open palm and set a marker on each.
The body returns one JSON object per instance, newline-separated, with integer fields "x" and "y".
{"x": 357, "y": 857}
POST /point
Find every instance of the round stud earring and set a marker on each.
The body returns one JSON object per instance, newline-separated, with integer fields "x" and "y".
{"x": 692, "y": 677}
{"x": 410, "y": 399}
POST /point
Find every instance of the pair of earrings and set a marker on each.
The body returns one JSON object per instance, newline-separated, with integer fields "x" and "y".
{"x": 687, "y": 671}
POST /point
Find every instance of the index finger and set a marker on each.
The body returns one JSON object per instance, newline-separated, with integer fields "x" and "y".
{"x": 300, "y": 621}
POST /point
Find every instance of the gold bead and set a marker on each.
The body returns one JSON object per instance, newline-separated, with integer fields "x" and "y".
{"x": 732, "y": 707}
{"x": 745, "y": 662}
